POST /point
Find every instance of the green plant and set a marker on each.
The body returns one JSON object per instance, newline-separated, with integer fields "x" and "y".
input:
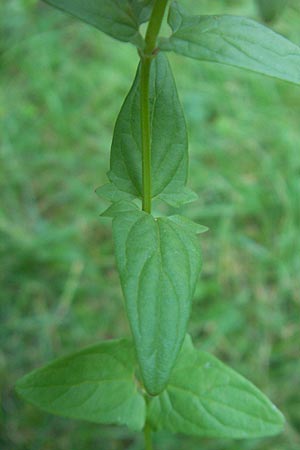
{"x": 160, "y": 380}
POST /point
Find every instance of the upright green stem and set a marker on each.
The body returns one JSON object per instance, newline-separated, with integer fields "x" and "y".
{"x": 146, "y": 134}
{"x": 146, "y": 59}
{"x": 154, "y": 25}
{"x": 147, "y": 435}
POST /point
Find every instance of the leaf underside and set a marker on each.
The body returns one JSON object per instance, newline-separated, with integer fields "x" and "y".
{"x": 203, "y": 396}
{"x": 159, "y": 263}
{"x": 235, "y": 41}
{"x": 119, "y": 19}
{"x": 95, "y": 384}
{"x": 208, "y": 399}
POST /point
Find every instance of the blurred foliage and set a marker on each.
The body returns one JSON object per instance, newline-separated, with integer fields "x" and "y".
{"x": 62, "y": 84}
{"x": 270, "y": 11}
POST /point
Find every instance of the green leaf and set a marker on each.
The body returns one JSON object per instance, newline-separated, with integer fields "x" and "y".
{"x": 232, "y": 40}
{"x": 178, "y": 198}
{"x": 110, "y": 192}
{"x": 188, "y": 224}
{"x": 169, "y": 159}
{"x": 206, "y": 398}
{"x": 270, "y": 10}
{"x": 159, "y": 263}
{"x": 117, "y": 18}
{"x": 95, "y": 384}
{"x": 119, "y": 208}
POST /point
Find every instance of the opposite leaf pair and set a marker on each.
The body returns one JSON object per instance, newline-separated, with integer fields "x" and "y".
{"x": 226, "y": 39}
{"x": 203, "y": 398}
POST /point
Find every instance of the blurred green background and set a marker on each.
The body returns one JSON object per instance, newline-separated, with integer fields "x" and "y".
{"x": 62, "y": 84}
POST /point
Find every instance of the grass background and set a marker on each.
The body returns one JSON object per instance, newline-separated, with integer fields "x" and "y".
{"x": 62, "y": 84}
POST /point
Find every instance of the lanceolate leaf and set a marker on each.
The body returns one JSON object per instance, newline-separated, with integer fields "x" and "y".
{"x": 169, "y": 138}
{"x": 117, "y": 18}
{"x": 206, "y": 398}
{"x": 95, "y": 384}
{"x": 159, "y": 263}
{"x": 232, "y": 40}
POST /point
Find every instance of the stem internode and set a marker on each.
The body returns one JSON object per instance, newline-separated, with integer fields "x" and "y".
{"x": 146, "y": 59}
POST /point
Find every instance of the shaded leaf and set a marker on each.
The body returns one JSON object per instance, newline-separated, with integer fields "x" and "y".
{"x": 206, "y": 398}
{"x": 95, "y": 384}
{"x": 117, "y": 18}
{"x": 119, "y": 208}
{"x": 177, "y": 198}
{"x": 110, "y": 192}
{"x": 188, "y": 224}
{"x": 233, "y": 40}
{"x": 159, "y": 263}
{"x": 169, "y": 160}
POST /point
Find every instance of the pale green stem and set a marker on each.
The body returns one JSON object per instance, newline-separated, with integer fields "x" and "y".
{"x": 146, "y": 59}
{"x": 147, "y": 435}
{"x": 154, "y": 25}
{"x": 146, "y": 134}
